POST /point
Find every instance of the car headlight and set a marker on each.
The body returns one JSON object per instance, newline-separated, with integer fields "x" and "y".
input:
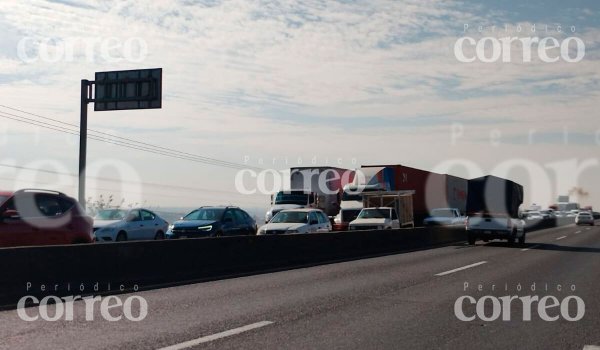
{"x": 170, "y": 228}
{"x": 205, "y": 228}
{"x": 291, "y": 231}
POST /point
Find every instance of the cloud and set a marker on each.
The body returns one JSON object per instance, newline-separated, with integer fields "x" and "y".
{"x": 277, "y": 78}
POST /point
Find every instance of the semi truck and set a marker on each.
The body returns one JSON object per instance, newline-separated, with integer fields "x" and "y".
{"x": 311, "y": 187}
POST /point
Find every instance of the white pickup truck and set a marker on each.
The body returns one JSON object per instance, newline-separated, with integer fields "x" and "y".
{"x": 381, "y": 218}
{"x": 495, "y": 226}
{"x": 445, "y": 217}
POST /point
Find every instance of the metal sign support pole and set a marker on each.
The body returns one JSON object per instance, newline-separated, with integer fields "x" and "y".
{"x": 85, "y": 84}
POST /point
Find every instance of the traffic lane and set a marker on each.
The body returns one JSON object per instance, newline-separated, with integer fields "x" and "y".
{"x": 422, "y": 316}
{"x": 573, "y": 260}
{"x": 181, "y": 313}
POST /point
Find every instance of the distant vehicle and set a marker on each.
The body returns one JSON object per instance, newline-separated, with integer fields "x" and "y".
{"x": 117, "y": 225}
{"x": 572, "y": 213}
{"x": 445, "y": 217}
{"x": 547, "y": 214}
{"x": 559, "y": 214}
{"x": 215, "y": 221}
{"x": 488, "y": 226}
{"x": 584, "y": 218}
{"x": 297, "y": 221}
{"x": 40, "y": 217}
{"x": 534, "y": 215}
{"x": 380, "y": 218}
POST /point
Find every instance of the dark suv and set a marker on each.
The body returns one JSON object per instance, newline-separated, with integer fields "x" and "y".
{"x": 213, "y": 222}
{"x": 40, "y": 217}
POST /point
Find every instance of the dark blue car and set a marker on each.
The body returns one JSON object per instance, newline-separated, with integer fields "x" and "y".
{"x": 213, "y": 222}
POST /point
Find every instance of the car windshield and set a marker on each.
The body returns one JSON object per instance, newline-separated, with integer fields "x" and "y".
{"x": 111, "y": 214}
{"x": 374, "y": 214}
{"x": 293, "y": 197}
{"x": 296, "y": 217}
{"x": 445, "y": 213}
{"x": 205, "y": 214}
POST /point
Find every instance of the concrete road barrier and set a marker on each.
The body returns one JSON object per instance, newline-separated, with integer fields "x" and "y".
{"x": 121, "y": 267}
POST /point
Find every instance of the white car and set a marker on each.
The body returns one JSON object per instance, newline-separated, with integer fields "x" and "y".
{"x": 380, "y": 218}
{"x": 111, "y": 225}
{"x": 534, "y": 215}
{"x": 584, "y": 218}
{"x": 304, "y": 220}
{"x": 445, "y": 217}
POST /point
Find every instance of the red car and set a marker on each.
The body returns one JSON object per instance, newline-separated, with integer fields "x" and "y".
{"x": 40, "y": 217}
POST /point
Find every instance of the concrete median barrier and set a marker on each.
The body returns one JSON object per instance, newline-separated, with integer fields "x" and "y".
{"x": 124, "y": 267}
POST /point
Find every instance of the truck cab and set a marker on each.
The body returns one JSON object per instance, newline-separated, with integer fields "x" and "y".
{"x": 293, "y": 199}
{"x": 351, "y": 204}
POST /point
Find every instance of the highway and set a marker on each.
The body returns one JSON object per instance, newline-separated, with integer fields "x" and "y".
{"x": 401, "y": 301}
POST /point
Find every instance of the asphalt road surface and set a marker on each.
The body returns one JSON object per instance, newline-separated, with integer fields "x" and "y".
{"x": 403, "y": 301}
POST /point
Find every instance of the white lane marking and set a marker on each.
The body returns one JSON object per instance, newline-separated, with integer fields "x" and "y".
{"x": 576, "y": 232}
{"x": 209, "y": 338}
{"x": 532, "y": 247}
{"x": 460, "y": 268}
{"x": 561, "y": 237}
{"x": 591, "y": 347}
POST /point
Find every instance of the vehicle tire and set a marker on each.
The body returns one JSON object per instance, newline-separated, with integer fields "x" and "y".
{"x": 159, "y": 236}
{"x": 522, "y": 239}
{"x": 121, "y": 237}
{"x": 472, "y": 239}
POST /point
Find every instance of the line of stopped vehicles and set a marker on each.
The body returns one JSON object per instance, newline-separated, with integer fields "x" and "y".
{"x": 370, "y": 198}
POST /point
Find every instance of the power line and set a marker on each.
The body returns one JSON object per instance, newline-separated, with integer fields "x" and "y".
{"x": 127, "y": 141}
{"x": 173, "y": 154}
{"x": 122, "y": 181}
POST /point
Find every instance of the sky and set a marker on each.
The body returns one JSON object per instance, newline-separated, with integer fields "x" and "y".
{"x": 275, "y": 84}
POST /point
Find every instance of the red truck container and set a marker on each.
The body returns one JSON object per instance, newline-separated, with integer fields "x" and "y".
{"x": 432, "y": 190}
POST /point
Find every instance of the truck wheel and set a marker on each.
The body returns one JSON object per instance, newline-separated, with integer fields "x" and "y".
{"x": 472, "y": 239}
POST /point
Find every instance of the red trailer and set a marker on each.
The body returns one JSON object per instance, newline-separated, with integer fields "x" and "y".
{"x": 432, "y": 190}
